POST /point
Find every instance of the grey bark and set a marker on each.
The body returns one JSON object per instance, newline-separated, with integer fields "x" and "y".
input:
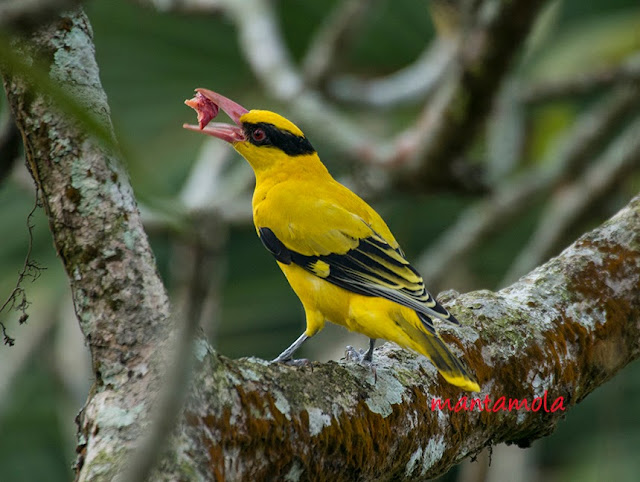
{"x": 119, "y": 299}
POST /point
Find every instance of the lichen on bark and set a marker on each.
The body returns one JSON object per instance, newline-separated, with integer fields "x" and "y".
{"x": 118, "y": 297}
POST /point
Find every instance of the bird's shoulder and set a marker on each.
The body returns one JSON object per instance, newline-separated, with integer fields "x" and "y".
{"x": 319, "y": 218}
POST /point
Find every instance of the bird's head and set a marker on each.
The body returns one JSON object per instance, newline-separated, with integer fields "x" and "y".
{"x": 265, "y": 139}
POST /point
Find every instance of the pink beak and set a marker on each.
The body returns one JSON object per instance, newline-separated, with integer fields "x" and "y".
{"x": 208, "y": 108}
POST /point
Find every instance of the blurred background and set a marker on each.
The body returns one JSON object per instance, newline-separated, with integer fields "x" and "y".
{"x": 360, "y": 77}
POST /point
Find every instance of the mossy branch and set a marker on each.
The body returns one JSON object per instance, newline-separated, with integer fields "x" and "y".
{"x": 564, "y": 329}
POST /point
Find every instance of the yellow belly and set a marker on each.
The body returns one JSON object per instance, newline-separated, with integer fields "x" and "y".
{"x": 372, "y": 316}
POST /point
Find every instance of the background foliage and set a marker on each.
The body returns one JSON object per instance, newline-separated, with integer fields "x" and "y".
{"x": 150, "y": 62}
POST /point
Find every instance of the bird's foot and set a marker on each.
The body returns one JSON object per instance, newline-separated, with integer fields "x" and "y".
{"x": 351, "y": 354}
{"x": 361, "y": 357}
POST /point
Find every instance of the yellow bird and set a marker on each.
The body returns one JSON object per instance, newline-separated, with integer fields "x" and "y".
{"x": 337, "y": 253}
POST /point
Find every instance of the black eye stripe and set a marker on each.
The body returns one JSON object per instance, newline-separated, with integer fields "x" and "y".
{"x": 286, "y": 141}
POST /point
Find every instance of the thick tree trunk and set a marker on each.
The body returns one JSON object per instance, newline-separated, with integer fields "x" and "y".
{"x": 562, "y": 330}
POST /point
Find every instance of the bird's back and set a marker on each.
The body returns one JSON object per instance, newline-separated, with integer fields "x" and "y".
{"x": 317, "y": 216}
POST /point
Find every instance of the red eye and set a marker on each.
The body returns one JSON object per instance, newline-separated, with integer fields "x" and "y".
{"x": 258, "y": 135}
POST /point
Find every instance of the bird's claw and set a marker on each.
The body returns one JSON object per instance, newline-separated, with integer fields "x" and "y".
{"x": 359, "y": 356}
{"x": 351, "y": 354}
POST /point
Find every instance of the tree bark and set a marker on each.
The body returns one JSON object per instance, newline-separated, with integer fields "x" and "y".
{"x": 564, "y": 329}
{"x": 119, "y": 299}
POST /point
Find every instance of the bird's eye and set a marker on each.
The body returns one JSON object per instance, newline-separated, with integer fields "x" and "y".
{"x": 258, "y": 135}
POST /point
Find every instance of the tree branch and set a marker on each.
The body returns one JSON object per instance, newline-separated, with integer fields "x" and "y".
{"x": 27, "y": 14}
{"x": 329, "y": 44}
{"x": 572, "y": 202}
{"x": 118, "y": 297}
{"x": 628, "y": 72}
{"x": 564, "y": 329}
{"x": 447, "y": 125}
{"x": 415, "y": 81}
{"x": 409, "y": 84}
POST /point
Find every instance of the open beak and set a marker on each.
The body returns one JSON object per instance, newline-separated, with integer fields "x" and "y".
{"x": 206, "y": 104}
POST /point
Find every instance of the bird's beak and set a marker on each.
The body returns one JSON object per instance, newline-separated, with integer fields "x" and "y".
{"x": 206, "y": 103}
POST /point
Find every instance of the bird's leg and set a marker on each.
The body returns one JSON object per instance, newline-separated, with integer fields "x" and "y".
{"x": 286, "y": 356}
{"x": 368, "y": 357}
{"x": 361, "y": 356}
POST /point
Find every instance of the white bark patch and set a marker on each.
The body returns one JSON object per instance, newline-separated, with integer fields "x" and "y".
{"x": 433, "y": 452}
{"x": 109, "y": 415}
{"x": 540, "y": 384}
{"x": 282, "y": 404}
{"x": 443, "y": 420}
{"x": 200, "y": 349}
{"x": 233, "y": 469}
{"x": 413, "y": 460}
{"x": 521, "y": 416}
{"x": 388, "y": 391}
{"x": 621, "y": 285}
{"x": 294, "y": 473}
{"x": 587, "y": 312}
{"x": 249, "y": 374}
{"x": 318, "y": 420}
{"x": 423, "y": 459}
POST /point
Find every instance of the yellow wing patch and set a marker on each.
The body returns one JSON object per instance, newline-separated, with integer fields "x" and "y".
{"x": 320, "y": 268}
